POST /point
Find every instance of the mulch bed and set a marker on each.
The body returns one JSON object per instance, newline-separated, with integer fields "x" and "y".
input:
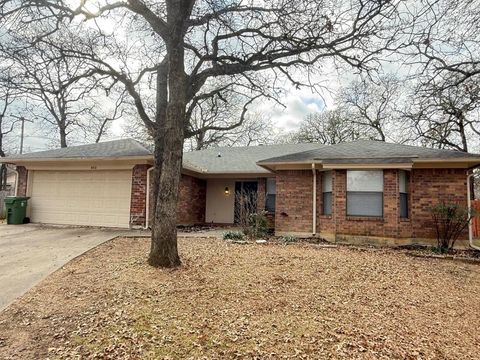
{"x": 248, "y": 301}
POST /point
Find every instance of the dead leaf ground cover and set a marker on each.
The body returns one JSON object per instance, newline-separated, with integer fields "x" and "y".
{"x": 248, "y": 301}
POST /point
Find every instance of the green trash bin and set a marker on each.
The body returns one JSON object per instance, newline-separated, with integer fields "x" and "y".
{"x": 16, "y": 209}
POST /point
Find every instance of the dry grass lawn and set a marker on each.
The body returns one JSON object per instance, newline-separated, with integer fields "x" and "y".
{"x": 248, "y": 301}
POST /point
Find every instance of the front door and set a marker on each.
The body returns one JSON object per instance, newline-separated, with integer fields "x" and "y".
{"x": 245, "y": 199}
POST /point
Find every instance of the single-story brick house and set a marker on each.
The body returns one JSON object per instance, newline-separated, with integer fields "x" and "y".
{"x": 362, "y": 190}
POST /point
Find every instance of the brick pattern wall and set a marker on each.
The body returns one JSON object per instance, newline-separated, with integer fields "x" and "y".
{"x": 139, "y": 191}
{"x": 325, "y": 223}
{"x": 391, "y": 202}
{"x": 261, "y": 193}
{"x": 431, "y": 187}
{"x": 293, "y": 209}
{"x": 191, "y": 201}
{"x": 366, "y": 226}
{"x": 427, "y": 187}
{"x": 261, "y": 201}
{"x": 22, "y": 181}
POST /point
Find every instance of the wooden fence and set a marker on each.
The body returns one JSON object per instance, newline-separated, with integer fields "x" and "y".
{"x": 476, "y": 220}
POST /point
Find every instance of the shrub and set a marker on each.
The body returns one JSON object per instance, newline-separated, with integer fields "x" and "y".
{"x": 254, "y": 224}
{"x": 450, "y": 221}
{"x": 232, "y": 235}
{"x": 257, "y": 225}
{"x": 289, "y": 239}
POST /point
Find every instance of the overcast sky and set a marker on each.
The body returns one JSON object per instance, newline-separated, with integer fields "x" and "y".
{"x": 298, "y": 104}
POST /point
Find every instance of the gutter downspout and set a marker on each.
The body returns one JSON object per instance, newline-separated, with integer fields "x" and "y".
{"x": 314, "y": 207}
{"x": 147, "y": 200}
{"x": 469, "y": 206}
{"x": 16, "y": 181}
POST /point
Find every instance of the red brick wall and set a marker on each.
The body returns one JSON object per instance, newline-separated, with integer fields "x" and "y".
{"x": 430, "y": 187}
{"x": 138, "y": 199}
{"x": 325, "y": 223}
{"x": 261, "y": 201}
{"x": 368, "y": 226}
{"x": 427, "y": 187}
{"x": 22, "y": 181}
{"x": 293, "y": 209}
{"x": 261, "y": 193}
{"x": 191, "y": 201}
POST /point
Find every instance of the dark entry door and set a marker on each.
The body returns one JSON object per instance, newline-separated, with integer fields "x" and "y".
{"x": 245, "y": 198}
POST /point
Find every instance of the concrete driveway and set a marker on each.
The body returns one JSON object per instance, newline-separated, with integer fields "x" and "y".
{"x": 28, "y": 253}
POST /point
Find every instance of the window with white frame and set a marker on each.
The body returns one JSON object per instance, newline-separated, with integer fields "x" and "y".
{"x": 365, "y": 193}
{"x": 403, "y": 187}
{"x": 327, "y": 193}
{"x": 271, "y": 195}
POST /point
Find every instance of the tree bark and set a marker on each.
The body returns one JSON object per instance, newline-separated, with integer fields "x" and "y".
{"x": 170, "y": 137}
{"x": 63, "y": 137}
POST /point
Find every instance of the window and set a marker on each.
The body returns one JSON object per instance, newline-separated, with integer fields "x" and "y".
{"x": 404, "y": 180}
{"x": 364, "y": 193}
{"x": 327, "y": 193}
{"x": 271, "y": 194}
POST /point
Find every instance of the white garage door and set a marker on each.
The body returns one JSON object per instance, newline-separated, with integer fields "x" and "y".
{"x": 93, "y": 198}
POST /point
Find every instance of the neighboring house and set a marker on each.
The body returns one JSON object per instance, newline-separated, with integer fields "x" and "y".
{"x": 11, "y": 179}
{"x": 362, "y": 190}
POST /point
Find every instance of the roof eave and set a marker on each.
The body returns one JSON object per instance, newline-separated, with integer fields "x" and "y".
{"x": 459, "y": 159}
{"x": 405, "y": 166}
{"x": 17, "y": 161}
{"x": 288, "y": 165}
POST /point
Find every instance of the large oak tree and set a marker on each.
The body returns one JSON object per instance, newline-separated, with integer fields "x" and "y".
{"x": 186, "y": 51}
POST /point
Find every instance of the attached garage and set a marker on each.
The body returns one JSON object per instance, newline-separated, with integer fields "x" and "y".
{"x": 82, "y": 197}
{"x": 102, "y": 184}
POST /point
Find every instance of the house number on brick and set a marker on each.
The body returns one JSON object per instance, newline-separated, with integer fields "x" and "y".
{"x": 93, "y": 168}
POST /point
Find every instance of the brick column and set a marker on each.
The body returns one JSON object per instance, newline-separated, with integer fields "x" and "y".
{"x": 391, "y": 202}
{"x": 319, "y": 202}
{"x": 139, "y": 191}
{"x": 22, "y": 181}
{"x": 261, "y": 194}
{"x": 192, "y": 195}
{"x": 339, "y": 206}
{"x": 293, "y": 213}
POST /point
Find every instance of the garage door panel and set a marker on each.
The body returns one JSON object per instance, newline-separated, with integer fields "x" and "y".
{"x": 94, "y": 198}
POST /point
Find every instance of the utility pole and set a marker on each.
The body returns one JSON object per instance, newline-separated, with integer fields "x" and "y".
{"x": 22, "y": 131}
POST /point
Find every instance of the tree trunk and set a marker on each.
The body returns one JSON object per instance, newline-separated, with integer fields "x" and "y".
{"x": 170, "y": 137}
{"x": 63, "y": 137}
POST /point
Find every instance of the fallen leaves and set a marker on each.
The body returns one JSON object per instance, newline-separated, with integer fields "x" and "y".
{"x": 247, "y": 301}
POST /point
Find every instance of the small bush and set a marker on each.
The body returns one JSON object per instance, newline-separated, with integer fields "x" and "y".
{"x": 257, "y": 225}
{"x": 450, "y": 221}
{"x": 289, "y": 239}
{"x": 232, "y": 235}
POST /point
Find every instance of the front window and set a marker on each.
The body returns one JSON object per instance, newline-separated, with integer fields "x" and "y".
{"x": 327, "y": 192}
{"x": 404, "y": 179}
{"x": 271, "y": 195}
{"x": 365, "y": 193}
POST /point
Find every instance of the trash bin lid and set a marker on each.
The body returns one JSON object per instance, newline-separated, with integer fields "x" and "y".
{"x": 9, "y": 200}
{"x": 13, "y": 199}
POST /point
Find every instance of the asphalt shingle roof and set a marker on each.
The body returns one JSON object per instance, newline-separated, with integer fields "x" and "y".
{"x": 226, "y": 160}
{"x": 107, "y": 149}
{"x": 245, "y": 160}
{"x": 369, "y": 151}
{"x": 231, "y": 159}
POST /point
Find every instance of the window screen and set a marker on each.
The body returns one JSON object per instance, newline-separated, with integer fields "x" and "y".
{"x": 404, "y": 180}
{"x": 271, "y": 195}
{"x": 327, "y": 192}
{"x": 364, "y": 193}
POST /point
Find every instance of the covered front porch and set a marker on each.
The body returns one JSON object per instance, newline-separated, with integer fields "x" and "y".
{"x": 221, "y": 201}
